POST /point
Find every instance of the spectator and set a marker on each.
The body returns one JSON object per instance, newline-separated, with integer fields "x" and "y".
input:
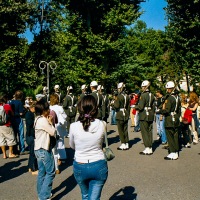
{"x": 60, "y": 153}
{"x": 86, "y": 137}
{"x": 7, "y": 137}
{"x": 184, "y": 128}
{"x": 30, "y": 135}
{"x": 193, "y": 105}
{"x": 43, "y": 152}
{"x": 17, "y": 121}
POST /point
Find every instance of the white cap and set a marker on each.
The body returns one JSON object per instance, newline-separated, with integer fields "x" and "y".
{"x": 170, "y": 84}
{"x": 100, "y": 87}
{"x": 145, "y": 83}
{"x": 70, "y": 88}
{"x": 45, "y": 88}
{"x": 120, "y": 85}
{"x": 93, "y": 83}
{"x": 83, "y": 87}
{"x": 56, "y": 87}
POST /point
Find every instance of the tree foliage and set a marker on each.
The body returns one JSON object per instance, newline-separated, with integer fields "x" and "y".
{"x": 183, "y": 36}
{"x": 95, "y": 40}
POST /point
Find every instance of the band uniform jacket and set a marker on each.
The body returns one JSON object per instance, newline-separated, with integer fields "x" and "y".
{"x": 122, "y": 108}
{"x": 172, "y": 106}
{"x": 80, "y": 97}
{"x": 69, "y": 105}
{"x": 100, "y": 104}
{"x": 146, "y": 106}
{"x": 107, "y": 105}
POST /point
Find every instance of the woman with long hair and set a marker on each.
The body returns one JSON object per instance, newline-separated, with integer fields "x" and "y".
{"x": 43, "y": 151}
{"x": 86, "y": 137}
{"x": 193, "y": 105}
{"x": 184, "y": 128}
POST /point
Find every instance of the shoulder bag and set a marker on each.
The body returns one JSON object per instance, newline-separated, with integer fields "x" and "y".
{"x": 108, "y": 153}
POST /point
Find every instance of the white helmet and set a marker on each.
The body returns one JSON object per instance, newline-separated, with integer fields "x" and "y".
{"x": 69, "y": 88}
{"x": 45, "y": 88}
{"x": 83, "y": 87}
{"x": 145, "y": 83}
{"x": 56, "y": 87}
{"x": 100, "y": 87}
{"x": 93, "y": 83}
{"x": 120, "y": 85}
{"x": 170, "y": 84}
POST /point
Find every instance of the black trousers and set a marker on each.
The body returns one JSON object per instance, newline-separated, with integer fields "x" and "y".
{"x": 32, "y": 161}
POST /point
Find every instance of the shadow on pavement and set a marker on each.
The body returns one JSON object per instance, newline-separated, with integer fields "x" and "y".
{"x": 126, "y": 193}
{"x": 12, "y": 170}
{"x": 113, "y": 140}
{"x": 69, "y": 184}
{"x": 134, "y": 141}
{"x": 110, "y": 132}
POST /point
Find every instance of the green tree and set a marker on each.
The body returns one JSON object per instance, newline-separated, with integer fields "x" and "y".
{"x": 183, "y": 36}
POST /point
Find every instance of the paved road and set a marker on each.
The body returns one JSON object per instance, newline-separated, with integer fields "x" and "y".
{"x": 131, "y": 176}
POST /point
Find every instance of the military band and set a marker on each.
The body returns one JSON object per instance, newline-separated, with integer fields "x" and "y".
{"x": 169, "y": 109}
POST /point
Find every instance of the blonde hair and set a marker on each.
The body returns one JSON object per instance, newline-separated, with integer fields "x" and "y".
{"x": 193, "y": 98}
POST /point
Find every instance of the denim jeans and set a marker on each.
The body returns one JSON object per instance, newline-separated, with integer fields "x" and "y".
{"x": 196, "y": 121}
{"x": 91, "y": 178}
{"x": 18, "y": 127}
{"x": 161, "y": 128}
{"x": 113, "y": 117}
{"x": 137, "y": 122}
{"x": 46, "y": 174}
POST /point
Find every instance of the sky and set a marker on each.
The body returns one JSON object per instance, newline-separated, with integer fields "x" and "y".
{"x": 153, "y": 16}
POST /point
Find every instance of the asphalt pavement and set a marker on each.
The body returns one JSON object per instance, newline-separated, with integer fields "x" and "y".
{"x": 131, "y": 176}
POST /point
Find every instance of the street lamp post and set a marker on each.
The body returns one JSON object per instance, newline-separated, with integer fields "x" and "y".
{"x": 49, "y": 65}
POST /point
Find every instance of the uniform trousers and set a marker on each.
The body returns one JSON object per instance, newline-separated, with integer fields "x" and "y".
{"x": 123, "y": 130}
{"x": 147, "y": 132}
{"x": 172, "y": 138}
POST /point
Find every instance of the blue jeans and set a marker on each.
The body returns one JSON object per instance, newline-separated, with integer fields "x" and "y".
{"x": 113, "y": 117}
{"x": 91, "y": 178}
{"x": 196, "y": 121}
{"x": 46, "y": 174}
{"x": 18, "y": 127}
{"x": 161, "y": 128}
{"x": 137, "y": 122}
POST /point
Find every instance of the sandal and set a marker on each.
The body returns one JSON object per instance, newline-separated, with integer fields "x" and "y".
{"x": 13, "y": 156}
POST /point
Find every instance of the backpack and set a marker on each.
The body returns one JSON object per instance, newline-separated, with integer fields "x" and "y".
{"x": 3, "y": 116}
{"x": 187, "y": 117}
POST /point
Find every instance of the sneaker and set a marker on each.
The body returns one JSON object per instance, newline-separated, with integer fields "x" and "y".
{"x": 122, "y": 147}
{"x": 169, "y": 157}
{"x": 146, "y": 151}
{"x": 127, "y": 146}
{"x": 150, "y": 151}
{"x": 175, "y": 156}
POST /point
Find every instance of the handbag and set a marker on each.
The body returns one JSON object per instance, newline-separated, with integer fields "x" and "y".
{"x": 52, "y": 142}
{"x": 108, "y": 153}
